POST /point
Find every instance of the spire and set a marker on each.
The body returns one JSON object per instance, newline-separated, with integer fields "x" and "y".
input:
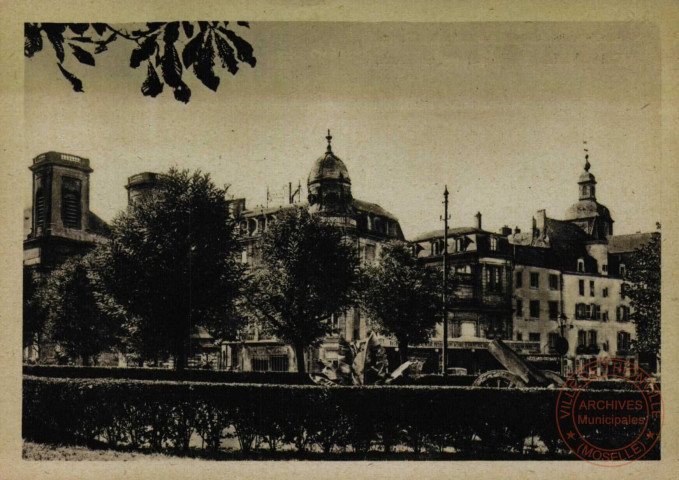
{"x": 329, "y": 138}
{"x": 587, "y": 164}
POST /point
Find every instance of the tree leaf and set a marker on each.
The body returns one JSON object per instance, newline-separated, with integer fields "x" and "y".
{"x": 100, "y": 28}
{"x": 171, "y": 66}
{"x": 171, "y": 33}
{"x": 182, "y": 93}
{"x": 226, "y": 54}
{"x": 244, "y": 24}
{"x": 203, "y": 67}
{"x": 188, "y": 29}
{"x": 245, "y": 52}
{"x": 75, "y": 81}
{"x": 82, "y": 55}
{"x": 143, "y": 52}
{"x": 153, "y": 26}
{"x": 32, "y": 39}
{"x": 190, "y": 52}
{"x": 78, "y": 28}
{"x": 57, "y": 40}
{"x": 82, "y": 39}
{"x": 152, "y": 86}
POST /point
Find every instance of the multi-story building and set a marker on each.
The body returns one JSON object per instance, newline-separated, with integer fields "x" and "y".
{"x": 518, "y": 286}
{"x": 481, "y": 308}
{"x": 365, "y": 224}
{"x": 569, "y": 273}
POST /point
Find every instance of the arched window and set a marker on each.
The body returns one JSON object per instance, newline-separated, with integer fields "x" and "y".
{"x": 581, "y": 265}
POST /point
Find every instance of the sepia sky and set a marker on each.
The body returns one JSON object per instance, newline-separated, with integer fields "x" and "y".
{"x": 497, "y": 111}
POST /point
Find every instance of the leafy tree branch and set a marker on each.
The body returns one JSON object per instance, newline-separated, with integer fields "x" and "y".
{"x": 167, "y": 49}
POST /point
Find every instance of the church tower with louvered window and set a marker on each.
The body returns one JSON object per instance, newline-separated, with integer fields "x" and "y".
{"x": 60, "y": 220}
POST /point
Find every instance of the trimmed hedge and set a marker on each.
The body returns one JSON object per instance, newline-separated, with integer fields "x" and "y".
{"x": 163, "y": 416}
{"x": 213, "y": 376}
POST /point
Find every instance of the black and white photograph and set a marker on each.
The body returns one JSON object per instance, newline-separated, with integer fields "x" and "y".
{"x": 355, "y": 241}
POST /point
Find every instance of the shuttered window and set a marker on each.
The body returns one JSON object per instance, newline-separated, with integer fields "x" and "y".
{"x": 70, "y": 203}
{"x": 40, "y": 208}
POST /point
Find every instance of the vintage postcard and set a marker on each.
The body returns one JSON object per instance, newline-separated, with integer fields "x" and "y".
{"x": 275, "y": 241}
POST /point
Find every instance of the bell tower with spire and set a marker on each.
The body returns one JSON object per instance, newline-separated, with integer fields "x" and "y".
{"x": 593, "y": 217}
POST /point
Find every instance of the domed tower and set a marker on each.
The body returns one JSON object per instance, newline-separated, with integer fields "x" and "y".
{"x": 329, "y": 188}
{"x": 593, "y": 217}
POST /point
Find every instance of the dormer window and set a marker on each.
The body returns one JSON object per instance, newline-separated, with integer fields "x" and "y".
{"x": 581, "y": 265}
{"x": 493, "y": 243}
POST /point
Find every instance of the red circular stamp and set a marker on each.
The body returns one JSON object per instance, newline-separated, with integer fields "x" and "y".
{"x": 614, "y": 426}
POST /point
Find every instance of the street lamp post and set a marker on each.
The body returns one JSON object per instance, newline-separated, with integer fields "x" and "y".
{"x": 444, "y": 351}
{"x": 562, "y": 343}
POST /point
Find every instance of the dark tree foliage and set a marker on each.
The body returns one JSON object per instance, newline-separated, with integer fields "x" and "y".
{"x": 171, "y": 264}
{"x": 402, "y": 296}
{"x": 34, "y": 316}
{"x": 642, "y": 286}
{"x": 73, "y": 300}
{"x": 308, "y": 273}
{"x": 165, "y": 48}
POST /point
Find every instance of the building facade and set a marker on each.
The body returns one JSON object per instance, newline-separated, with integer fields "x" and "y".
{"x": 481, "y": 308}
{"x": 367, "y": 225}
{"x": 568, "y": 279}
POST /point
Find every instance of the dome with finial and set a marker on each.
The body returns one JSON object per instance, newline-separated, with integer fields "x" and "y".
{"x": 329, "y": 167}
{"x": 587, "y": 213}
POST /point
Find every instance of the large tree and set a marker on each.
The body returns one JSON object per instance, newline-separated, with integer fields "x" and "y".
{"x": 402, "y": 296}
{"x": 308, "y": 271}
{"x": 73, "y": 301}
{"x": 171, "y": 264}
{"x": 34, "y": 317}
{"x": 164, "y": 48}
{"x": 642, "y": 286}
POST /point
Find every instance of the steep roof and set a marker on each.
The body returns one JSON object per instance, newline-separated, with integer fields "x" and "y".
{"x": 568, "y": 241}
{"x": 451, "y": 232}
{"x": 360, "y": 205}
{"x": 373, "y": 208}
{"x": 628, "y": 243}
{"x": 535, "y": 256}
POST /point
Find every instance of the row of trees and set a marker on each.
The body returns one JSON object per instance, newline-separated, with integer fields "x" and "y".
{"x": 171, "y": 265}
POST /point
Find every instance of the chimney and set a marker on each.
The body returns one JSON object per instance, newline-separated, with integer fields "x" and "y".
{"x": 478, "y": 220}
{"x": 517, "y": 230}
{"x": 236, "y": 207}
{"x": 505, "y": 231}
{"x": 541, "y": 220}
{"x": 534, "y": 228}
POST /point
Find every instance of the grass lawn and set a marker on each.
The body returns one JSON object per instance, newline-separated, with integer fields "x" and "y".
{"x": 39, "y": 451}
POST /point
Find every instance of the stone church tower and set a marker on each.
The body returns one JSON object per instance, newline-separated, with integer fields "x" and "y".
{"x": 60, "y": 218}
